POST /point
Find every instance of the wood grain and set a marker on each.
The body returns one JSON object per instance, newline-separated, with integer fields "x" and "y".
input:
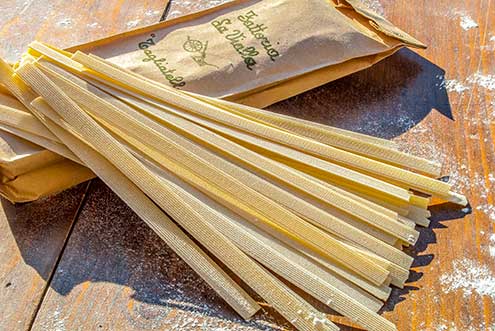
{"x": 117, "y": 274}
{"x": 438, "y": 103}
{"x": 31, "y": 238}
{"x": 67, "y": 23}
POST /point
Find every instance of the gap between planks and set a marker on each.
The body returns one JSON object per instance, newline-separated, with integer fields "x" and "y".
{"x": 74, "y": 219}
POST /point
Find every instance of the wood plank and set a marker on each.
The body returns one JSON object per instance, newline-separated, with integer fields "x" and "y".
{"x": 133, "y": 282}
{"x": 439, "y": 104}
{"x": 117, "y": 274}
{"x": 31, "y": 238}
{"x": 32, "y": 235}
{"x": 66, "y": 23}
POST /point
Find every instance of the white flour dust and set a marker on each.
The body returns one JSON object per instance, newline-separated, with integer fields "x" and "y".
{"x": 491, "y": 246}
{"x": 471, "y": 278}
{"x": 93, "y": 25}
{"x": 479, "y": 79}
{"x": 467, "y": 23}
{"x": 465, "y": 20}
{"x": 490, "y": 46}
{"x": 151, "y": 12}
{"x": 485, "y": 81}
{"x": 488, "y": 210}
{"x": 445, "y": 325}
{"x": 453, "y": 85}
{"x": 462, "y": 181}
{"x": 133, "y": 24}
{"x": 374, "y": 5}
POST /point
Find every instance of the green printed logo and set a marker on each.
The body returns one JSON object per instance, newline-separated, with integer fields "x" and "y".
{"x": 199, "y": 48}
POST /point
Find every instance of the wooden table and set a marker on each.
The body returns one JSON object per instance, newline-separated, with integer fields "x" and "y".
{"x": 83, "y": 261}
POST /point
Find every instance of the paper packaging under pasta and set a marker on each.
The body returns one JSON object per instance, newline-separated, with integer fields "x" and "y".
{"x": 250, "y": 52}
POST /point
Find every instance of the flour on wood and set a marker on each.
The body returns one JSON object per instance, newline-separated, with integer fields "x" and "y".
{"x": 470, "y": 277}
{"x": 485, "y": 81}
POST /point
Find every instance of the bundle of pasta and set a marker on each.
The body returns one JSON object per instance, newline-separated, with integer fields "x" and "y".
{"x": 325, "y": 209}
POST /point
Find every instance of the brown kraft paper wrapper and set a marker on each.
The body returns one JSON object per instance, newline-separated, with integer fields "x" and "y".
{"x": 255, "y": 52}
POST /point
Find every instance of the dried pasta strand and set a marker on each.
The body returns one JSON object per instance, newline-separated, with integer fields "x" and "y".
{"x": 18, "y": 118}
{"x": 330, "y": 137}
{"x": 41, "y": 141}
{"x": 237, "y": 298}
{"x": 287, "y": 303}
{"x": 381, "y": 292}
{"x": 358, "y": 240}
{"x": 274, "y": 169}
{"x": 398, "y": 274}
{"x": 343, "y": 132}
{"x": 412, "y": 180}
{"x": 251, "y": 242}
{"x": 220, "y": 181}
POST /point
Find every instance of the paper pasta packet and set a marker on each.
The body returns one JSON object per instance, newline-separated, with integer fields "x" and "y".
{"x": 255, "y": 52}
{"x": 28, "y": 171}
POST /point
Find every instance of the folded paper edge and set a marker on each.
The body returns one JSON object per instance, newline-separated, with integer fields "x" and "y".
{"x": 383, "y": 25}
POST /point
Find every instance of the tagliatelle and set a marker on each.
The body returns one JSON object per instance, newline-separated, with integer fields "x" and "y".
{"x": 329, "y": 136}
{"x": 218, "y": 183}
{"x": 393, "y": 174}
{"x": 286, "y": 265}
{"x": 325, "y": 209}
{"x": 346, "y": 133}
{"x": 147, "y": 210}
{"x": 255, "y": 161}
{"x": 285, "y": 301}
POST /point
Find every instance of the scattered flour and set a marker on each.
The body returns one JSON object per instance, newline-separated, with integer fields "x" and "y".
{"x": 486, "y": 81}
{"x": 59, "y": 324}
{"x": 467, "y": 23}
{"x": 133, "y": 24}
{"x": 491, "y": 247}
{"x": 93, "y": 25}
{"x": 174, "y": 13}
{"x": 452, "y": 327}
{"x": 65, "y": 22}
{"x": 453, "y": 85}
{"x": 374, "y": 5}
{"x": 444, "y": 325}
{"x": 151, "y": 12}
{"x": 490, "y": 46}
{"x": 470, "y": 277}
{"x": 487, "y": 209}
{"x": 459, "y": 178}
{"x": 465, "y": 20}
